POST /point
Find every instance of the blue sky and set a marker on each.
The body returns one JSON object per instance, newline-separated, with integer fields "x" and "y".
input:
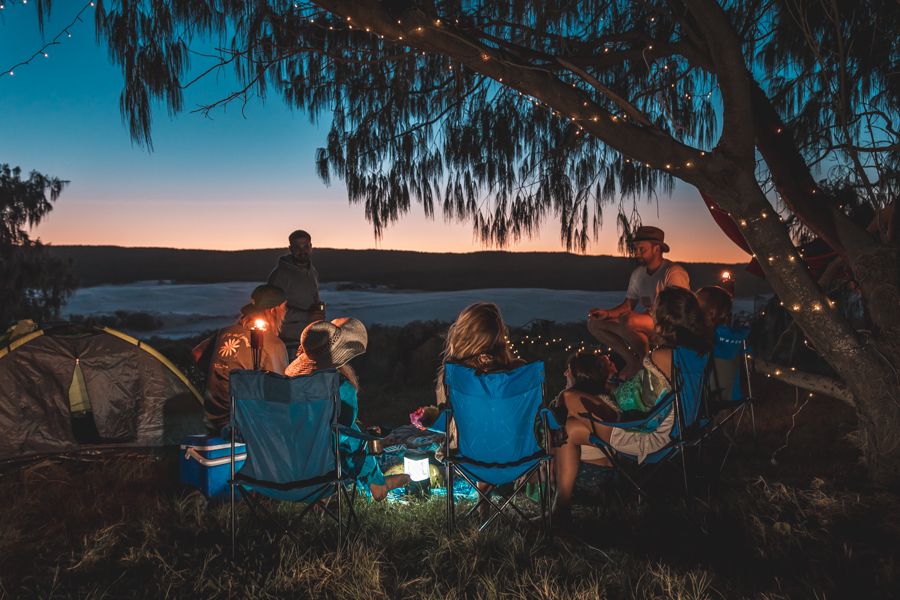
{"x": 231, "y": 181}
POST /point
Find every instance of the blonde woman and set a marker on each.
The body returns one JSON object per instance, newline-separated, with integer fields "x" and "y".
{"x": 478, "y": 340}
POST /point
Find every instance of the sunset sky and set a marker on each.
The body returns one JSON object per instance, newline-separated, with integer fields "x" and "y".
{"x": 232, "y": 181}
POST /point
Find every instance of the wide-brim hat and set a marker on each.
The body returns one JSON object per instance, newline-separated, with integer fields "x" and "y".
{"x": 328, "y": 345}
{"x": 647, "y": 233}
{"x": 264, "y": 297}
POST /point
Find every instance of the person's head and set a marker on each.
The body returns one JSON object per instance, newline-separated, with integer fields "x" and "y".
{"x": 680, "y": 321}
{"x": 588, "y": 371}
{"x": 300, "y": 246}
{"x": 332, "y": 345}
{"x": 716, "y": 304}
{"x": 268, "y": 304}
{"x": 649, "y": 245}
{"x": 478, "y": 338}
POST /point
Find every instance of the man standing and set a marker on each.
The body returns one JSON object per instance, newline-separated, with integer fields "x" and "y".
{"x": 627, "y": 327}
{"x": 295, "y": 274}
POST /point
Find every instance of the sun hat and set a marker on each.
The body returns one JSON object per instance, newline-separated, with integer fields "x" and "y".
{"x": 263, "y": 297}
{"x": 647, "y": 233}
{"x": 328, "y": 345}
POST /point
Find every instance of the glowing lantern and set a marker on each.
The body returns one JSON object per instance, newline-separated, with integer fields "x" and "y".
{"x": 418, "y": 468}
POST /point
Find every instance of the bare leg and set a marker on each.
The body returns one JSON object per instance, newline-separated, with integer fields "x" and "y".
{"x": 379, "y": 492}
{"x": 567, "y": 457}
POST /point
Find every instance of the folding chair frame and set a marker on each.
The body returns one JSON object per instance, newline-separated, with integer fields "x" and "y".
{"x": 335, "y": 479}
{"x": 674, "y": 448}
{"x": 738, "y": 408}
{"x": 453, "y": 466}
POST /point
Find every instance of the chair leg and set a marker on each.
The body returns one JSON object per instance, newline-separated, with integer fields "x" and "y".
{"x": 451, "y": 512}
{"x": 547, "y": 500}
{"x": 339, "y": 516}
{"x": 233, "y": 523}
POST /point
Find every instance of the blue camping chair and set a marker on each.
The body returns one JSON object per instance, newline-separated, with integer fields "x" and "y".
{"x": 496, "y": 416}
{"x": 731, "y": 391}
{"x": 690, "y": 372}
{"x": 291, "y": 430}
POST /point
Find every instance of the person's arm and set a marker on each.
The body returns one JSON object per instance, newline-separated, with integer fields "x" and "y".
{"x": 625, "y": 307}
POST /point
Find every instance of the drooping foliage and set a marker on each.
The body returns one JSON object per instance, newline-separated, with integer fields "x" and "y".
{"x": 411, "y": 125}
{"x": 35, "y": 283}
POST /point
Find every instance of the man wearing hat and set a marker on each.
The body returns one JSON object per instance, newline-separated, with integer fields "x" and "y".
{"x": 232, "y": 350}
{"x": 627, "y": 327}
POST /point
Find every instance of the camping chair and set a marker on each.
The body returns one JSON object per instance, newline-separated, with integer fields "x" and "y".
{"x": 495, "y": 416}
{"x": 690, "y": 371}
{"x": 290, "y": 427}
{"x": 731, "y": 391}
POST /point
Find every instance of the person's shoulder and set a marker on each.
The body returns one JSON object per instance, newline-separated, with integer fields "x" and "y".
{"x": 661, "y": 358}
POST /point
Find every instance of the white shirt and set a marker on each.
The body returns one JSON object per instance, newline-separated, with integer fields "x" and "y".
{"x": 643, "y": 288}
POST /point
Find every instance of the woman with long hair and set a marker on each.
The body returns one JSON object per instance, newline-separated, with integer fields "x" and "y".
{"x": 478, "y": 339}
{"x": 231, "y": 349}
{"x": 332, "y": 345}
{"x": 679, "y": 322}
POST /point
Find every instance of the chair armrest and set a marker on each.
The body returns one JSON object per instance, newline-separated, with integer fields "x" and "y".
{"x": 360, "y": 435}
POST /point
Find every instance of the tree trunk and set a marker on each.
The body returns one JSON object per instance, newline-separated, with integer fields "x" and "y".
{"x": 869, "y": 366}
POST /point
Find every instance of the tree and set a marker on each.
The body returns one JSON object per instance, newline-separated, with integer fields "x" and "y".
{"x": 35, "y": 283}
{"x": 505, "y": 113}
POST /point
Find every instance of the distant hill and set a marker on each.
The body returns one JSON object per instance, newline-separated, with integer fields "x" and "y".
{"x": 95, "y": 265}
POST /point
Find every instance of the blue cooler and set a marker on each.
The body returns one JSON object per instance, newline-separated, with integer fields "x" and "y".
{"x": 206, "y": 463}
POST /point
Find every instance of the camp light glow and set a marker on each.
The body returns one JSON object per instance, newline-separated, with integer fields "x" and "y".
{"x": 416, "y": 468}
{"x": 256, "y": 333}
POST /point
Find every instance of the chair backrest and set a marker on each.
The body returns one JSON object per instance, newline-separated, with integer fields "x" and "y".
{"x": 495, "y": 416}
{"x": 690, "y": 370}
{"x": 288, "y": 426}
{"x": 728, "y": 355}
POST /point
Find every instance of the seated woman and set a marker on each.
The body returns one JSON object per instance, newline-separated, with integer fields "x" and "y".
{"x": 231, "y": 349}
{"x": 679, "y": 323}
{"x": 333, "y": 345}
{"x": 586, "y": 389}
{"x": 478, "y": 340}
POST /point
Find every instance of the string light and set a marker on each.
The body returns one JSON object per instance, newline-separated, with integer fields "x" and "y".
{"x": 42, "y": 52}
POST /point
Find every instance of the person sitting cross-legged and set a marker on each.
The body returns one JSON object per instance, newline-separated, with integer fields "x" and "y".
{"x": 679, "y": 322}
{"x": 626, "y": 328}
{"x": 332, "y": 345}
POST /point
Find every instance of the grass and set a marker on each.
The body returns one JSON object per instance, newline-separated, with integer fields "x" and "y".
{"x": 122, "y": 528}
{"x": 806, "y": 525}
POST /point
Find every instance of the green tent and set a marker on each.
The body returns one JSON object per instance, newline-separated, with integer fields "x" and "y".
{"x": 70, "y": 387}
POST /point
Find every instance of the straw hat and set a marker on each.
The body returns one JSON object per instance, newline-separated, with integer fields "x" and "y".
{"x": 327, "y": 345}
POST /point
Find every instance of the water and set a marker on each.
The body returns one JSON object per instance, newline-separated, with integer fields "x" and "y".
{"x": 189, "y": 309}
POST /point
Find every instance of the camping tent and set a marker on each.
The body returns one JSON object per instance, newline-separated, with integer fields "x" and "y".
{"x": 71, "y": 386}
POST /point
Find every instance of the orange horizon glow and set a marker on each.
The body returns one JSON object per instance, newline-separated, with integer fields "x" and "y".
{"x": 231, "y": 225}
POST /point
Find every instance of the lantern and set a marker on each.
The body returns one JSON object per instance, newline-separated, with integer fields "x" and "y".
{"x": 417, "y": 466}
